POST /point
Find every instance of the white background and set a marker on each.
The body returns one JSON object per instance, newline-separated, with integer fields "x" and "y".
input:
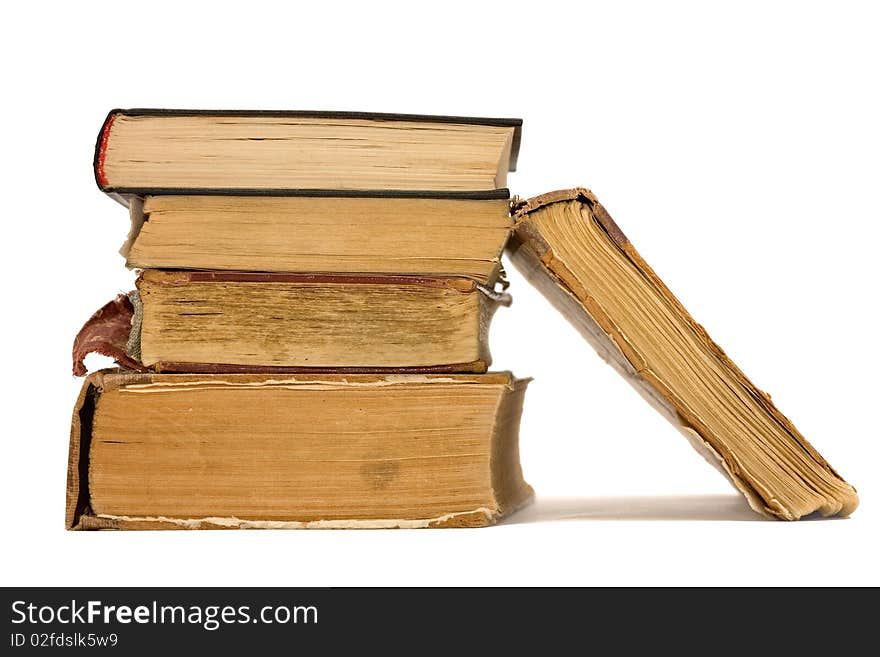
{"x": 738, "y": 148}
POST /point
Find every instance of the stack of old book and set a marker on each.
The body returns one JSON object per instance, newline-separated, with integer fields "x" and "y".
{"x": 307, "y": 345}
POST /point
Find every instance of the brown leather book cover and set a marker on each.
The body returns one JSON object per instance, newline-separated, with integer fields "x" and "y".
{"x": 548, "y": 263}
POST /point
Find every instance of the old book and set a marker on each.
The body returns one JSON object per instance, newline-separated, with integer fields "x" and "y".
{"x": 142, "y": 151}
{"x": 340, "y": 234}
{"x": 243, "y": 451}
{"x": 568, "y": 246}
{"x": 190, "y": 321}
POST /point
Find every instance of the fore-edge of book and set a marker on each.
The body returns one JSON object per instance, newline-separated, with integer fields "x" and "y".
{"x": 496, "y": 486}
{"x": 293, "y": 323}
{"x": 368, "y": 148}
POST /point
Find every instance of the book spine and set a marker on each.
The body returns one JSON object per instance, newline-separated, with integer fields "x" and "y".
{"x": 107, "y": 332}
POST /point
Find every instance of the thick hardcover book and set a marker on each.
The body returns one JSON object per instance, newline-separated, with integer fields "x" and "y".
{"x": 246, "y": 451}
{"x": 160, "y": 151}
{"x": 308, "y": 234}
{"x": 192, "y": 321}
{"x": 568, "y": 246}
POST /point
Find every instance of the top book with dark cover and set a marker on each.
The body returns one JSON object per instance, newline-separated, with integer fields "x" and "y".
{"x": 160, "y": 151}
